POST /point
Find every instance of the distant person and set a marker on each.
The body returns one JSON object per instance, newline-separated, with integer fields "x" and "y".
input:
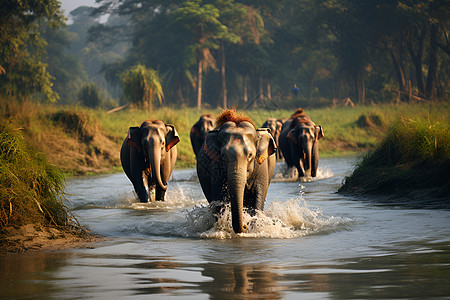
{"x": 295, "y": 90}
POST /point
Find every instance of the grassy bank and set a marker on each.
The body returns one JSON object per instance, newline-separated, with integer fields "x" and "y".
{"x": 347, "y": 130}
{"x": 86, "y": 141}
{"x": 412, "y": 158}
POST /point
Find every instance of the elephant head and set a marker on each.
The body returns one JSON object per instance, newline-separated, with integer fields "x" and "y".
{"x": 244, "y": 152}
{"x": 200, "y": 129}
{"x": 305, "y": 137}
{"x": 275, "y": 126}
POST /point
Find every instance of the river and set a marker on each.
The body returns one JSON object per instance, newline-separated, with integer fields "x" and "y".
{"x": 310, "y": 243}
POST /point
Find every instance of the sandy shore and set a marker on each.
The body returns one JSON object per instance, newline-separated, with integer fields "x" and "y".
{"x": 34, "y": 237}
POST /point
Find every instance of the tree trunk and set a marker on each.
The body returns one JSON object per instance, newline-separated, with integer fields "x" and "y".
{"x": 245, "y": 90}
{"x": 360, "y": 87}
{"x": 199, "y": 85}
{"x": 269, "y": 93}
{"x": 398, "y": 70}
{"x": 417, "y": 60}
{"x": 432, "y": 68}
{"x": 222, "y": 72}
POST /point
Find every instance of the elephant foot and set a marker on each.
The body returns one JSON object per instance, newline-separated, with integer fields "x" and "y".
{"x": 160, "y": 195}
{"x": 306, "y": 179}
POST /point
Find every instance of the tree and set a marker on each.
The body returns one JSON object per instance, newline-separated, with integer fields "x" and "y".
{"x": 202, "y": 19}
{"x": 22, "y": 70}
{"x": 67, "y": 69}
{"x": 89, "y": 95}
{"x": 142, "y": 86}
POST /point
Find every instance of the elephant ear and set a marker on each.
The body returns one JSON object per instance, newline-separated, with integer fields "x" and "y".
{"x": 265, "y": 145}
{"x": 292, "y": 135}
{"x": 172, "y": 137}
{"x": 319, "y": 132}
{"x": 134, "y": 138}
{"x": 195, "y": 130}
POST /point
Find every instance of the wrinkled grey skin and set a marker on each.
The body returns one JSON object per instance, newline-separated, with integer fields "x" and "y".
{"x": 299, "y": 143}
{"x": 148, "y": 156}
{"x": 199, "y": 131}
{"x": 275, "y": 126}
{"x": 236, "y": 165}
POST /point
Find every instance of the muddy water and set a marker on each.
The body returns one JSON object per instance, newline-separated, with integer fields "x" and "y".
{"x": 309, "y": 243}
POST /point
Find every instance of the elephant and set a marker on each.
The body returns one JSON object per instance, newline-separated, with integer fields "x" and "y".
{"x": 148, "y": 156}
{"x": 199, "y": 131}
{"x": 236, "y": 165}
{"x": 299, "y": 143}
{"x": 275, "y": 126}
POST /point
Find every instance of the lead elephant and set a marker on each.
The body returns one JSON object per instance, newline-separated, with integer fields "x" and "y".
{"x": 199, "y": 131}
{"x": 148, "y": 156}
{"x": 299, "y": 143}
{"x": 236, "y": 165}
{"x": 275, "y": 126}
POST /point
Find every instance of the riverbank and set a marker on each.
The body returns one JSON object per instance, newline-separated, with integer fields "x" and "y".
{"x": 411, "y": 163}
{"x": 36, "y": 237}
{"x": 33, "y": 213}
{"x": 82, "y": 141}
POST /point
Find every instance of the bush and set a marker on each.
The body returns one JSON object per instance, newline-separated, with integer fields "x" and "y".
{"x": 142, "y": 86}
{"x": 90, "y": 96}
{"x": 414, "y": 154}
{"x": 31, "y": 189}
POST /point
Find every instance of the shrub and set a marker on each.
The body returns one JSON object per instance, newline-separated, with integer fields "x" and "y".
{"x": 31, "y": 189}
{"x": 89, "y": 95}
{"x": 142, "y": 86}
{"x": 414, "y": 154}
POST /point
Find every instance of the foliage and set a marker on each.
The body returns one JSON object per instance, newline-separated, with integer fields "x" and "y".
{"x": 414, "y": 153}
{"x": 31, "y": 189}
{"x": 22, "y": 69}
{"x": 370, "y": 51}
{"x": 90, "y": 96}
{"x": 142, "y": 86}
{"x": 66, "y": 67}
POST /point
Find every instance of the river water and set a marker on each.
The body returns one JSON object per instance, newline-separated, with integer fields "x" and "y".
{"x": 310, "y": 243}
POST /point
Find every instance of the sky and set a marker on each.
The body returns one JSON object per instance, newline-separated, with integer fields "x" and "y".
{"x": 69, "y": 5}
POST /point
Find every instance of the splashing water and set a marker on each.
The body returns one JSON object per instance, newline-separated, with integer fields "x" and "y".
{"x": 289, "y": 219}
{"x": 176, "y": 198}
{"x": 283, "y": 173}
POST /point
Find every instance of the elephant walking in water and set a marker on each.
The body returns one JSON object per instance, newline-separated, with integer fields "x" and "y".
{"x": 275, "y": 126}
{"x": 199, "y": 131}
{"x": 299, "y": 143}
{"x": 148, "y": 156}
{"x": 236, "y": 165}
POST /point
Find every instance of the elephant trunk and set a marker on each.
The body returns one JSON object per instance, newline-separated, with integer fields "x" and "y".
{"x": 307, "y": 148}
{"x": 237, "y": 179}
{"x": 155, "y": 164}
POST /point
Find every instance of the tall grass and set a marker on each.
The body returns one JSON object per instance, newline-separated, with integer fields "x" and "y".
{"x": 414, "y": 154}
{"x": 31, "y": 189}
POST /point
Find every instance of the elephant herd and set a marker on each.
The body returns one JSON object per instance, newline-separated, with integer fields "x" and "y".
{"x": 235, "y": 159}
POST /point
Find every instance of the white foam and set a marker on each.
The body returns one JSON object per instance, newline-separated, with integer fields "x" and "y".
{"x": 289, "y": 219}
{"x": 175, "y": 198}
{"x": 283, "y": 173}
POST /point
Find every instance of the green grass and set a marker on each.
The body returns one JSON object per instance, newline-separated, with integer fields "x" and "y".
{"x": 31, "y": 189}
{"x": 343, "y": 132}
{"x": 413, "y": 155}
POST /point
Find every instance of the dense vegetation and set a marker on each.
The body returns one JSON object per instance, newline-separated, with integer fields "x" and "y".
{"x": 31, "y": 189}
{"x": 413, "y": 157}
{"x": 228, "y": 52}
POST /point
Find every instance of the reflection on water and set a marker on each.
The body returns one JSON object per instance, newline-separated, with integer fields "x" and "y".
{"x": 308, "y": 243}
{"x": 422, "y": 271}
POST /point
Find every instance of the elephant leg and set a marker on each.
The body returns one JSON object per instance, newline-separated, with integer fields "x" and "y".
{"x": 137, "y": 172}
{"x": 159, "y": 194}
{"x": 315, "y": 159}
